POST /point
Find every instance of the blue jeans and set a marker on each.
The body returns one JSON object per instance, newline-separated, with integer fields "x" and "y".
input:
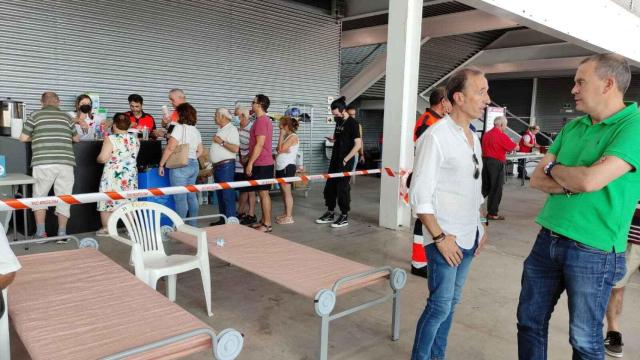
{"x": 186, "y": 204}
{"x": 226, "y": 198}
{"x": 554, "y": 265}
{"x": 445, "y": 289}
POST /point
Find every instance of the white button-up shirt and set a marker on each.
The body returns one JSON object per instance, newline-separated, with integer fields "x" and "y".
{"x": 443, "y": 182}
{"x": 8, "y": 261}
{"x": 229, "y": 134}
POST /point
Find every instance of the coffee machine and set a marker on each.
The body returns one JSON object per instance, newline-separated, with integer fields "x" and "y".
{"x": 10, "y": 110}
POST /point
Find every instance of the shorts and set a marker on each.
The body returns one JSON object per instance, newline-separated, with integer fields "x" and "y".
{"x": 261, "y": 173}
{"x": 60, "y": 177}
{"x": 288, "y": 171}
{"x": 242, "y": 177}
{"x": 632, "y": 258}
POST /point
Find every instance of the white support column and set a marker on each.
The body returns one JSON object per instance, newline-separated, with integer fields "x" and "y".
{"x": 401, "y": 91}
{"x": 534, "y": 99}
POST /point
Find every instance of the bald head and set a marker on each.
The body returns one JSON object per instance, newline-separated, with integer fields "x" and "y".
{"x": 49, "y": 98}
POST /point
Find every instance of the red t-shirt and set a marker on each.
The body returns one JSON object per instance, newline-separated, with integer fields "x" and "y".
{"x": 262, "y": 127}
{"x": 145, "y": 120}
{"x": 496, "y": 145}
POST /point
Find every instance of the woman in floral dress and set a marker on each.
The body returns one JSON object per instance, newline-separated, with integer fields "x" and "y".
{"x": 118, "y": 154}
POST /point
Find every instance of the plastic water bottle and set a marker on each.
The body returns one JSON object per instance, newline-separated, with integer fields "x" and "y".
{"x": 220, "y": 242}
{"x": 145, "y": 133}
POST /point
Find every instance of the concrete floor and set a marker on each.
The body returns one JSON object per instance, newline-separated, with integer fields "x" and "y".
{"x": 279, "y": 324}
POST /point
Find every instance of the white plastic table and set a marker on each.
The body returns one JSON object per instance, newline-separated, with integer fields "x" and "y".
{"x": 21, "y": 180}
{"x": 528, "y": 157}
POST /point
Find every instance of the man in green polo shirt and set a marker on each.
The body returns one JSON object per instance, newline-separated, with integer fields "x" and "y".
{"x": 52, "y": 134}
{"x": 590, "y": 174}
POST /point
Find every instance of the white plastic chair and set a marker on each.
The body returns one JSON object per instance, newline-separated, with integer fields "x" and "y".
{"x": 142, "y": 221}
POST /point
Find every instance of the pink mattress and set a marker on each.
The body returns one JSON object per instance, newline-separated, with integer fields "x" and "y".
{"x": 79, "y": 304}
{"x": 297, "y": 267}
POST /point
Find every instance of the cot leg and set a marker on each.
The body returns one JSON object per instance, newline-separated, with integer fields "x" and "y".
{"x": 395, "y": 316}
{"x": 171, "y": 287}
{"x": 324, "y": 338}
{"x": 5, "y": 351}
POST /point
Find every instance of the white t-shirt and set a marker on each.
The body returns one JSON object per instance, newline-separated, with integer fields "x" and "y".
{"x": 8, "y": 261}
{"x": 94, "y": 124}
{"x": 229, "y": 134}
{"x": 192, "y": 137}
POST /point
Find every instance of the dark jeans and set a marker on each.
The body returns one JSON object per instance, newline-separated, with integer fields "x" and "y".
{"x": 522, "y": 168}
{"x": 445, "y": 290}
{"x": 226, "y": 198}
{"x": 492, "y": 183}
{"x": 338, "y": 189}
{"x": 554, "y": 265}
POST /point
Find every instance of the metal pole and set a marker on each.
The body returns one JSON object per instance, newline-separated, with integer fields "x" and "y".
{"x": 395, "y": 316}
{"x": 324, "y": 338}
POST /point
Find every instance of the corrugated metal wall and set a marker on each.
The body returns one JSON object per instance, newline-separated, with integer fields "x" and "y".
{"x": 219, "y": 51}
{"x": 515, "y": 94}
{"x": 553, "y": 93}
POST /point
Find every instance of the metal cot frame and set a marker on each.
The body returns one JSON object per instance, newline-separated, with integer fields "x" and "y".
{"x": 325, "y": 299}
{"x": 224, "y": 346}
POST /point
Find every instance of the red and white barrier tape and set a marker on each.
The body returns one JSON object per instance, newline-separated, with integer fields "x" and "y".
{"x": 49, "y": 201}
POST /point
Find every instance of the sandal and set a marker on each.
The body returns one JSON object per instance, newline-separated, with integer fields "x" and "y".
{"x": 264, "y": 228}
{"x": 495, "y": 217}
{"x": 285, "y": 220}
{"x": 280, "y": 217}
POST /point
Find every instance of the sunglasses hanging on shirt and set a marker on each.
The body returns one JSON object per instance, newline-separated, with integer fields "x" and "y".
{"x": 476, "y": 163}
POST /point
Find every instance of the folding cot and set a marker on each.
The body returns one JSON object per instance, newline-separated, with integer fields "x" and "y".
{"x": 309, "y": 272}
{"x": 79, "y": 304}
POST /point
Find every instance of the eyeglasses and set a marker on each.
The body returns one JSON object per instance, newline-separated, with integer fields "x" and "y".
{"x": 476, "y": 173}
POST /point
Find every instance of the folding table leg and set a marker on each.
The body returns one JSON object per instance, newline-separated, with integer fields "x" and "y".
{"x": 324, "y": 338}
{"x": 395, "y": 316}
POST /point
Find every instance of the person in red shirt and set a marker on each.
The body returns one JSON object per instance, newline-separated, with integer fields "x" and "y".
{"x": 526, "y": 144}
{"x": 139, "y": 118}
{"x": 495, "y": 146}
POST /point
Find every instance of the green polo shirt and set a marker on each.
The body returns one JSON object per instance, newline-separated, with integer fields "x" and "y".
{"x": 599, "y": 219}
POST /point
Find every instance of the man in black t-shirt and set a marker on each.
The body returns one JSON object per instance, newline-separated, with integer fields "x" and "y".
{"x": 347, "y": 143}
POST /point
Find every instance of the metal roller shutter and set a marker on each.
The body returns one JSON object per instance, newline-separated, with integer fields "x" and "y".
{"x": 219, "y": 51}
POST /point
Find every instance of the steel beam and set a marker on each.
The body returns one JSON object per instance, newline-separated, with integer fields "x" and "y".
{"x": 436, "y": 26}
{"x": 574, "y": 21}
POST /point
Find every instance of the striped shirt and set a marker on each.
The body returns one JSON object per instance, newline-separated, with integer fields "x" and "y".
{"x": 634, "y": 231}
{"x": 244, "y": 145}
{"x": 51, "y": 132}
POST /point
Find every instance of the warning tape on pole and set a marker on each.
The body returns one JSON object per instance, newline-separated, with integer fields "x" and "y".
{"x": 88, "y": 198}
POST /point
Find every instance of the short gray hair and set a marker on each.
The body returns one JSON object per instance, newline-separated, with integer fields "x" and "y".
{"x": 224, "y": 112}
{"x": 500, "y": 120}
{"x": 178, "y": 91}
{"x": 49, "y": 98}
{"x": 242, "y": 110}
{"x": 613, "y": 65}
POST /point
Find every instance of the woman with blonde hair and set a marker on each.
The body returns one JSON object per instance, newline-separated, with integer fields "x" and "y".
{"x": 288, "y": 145}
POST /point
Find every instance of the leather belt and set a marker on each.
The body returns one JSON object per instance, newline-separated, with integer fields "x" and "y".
{"x": 555, "y": 234}
{"x": 220, "y": 163}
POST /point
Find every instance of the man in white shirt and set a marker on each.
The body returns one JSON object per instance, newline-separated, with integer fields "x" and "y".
{"x": 224, "y": 148}
{"x": 446, "y": 197}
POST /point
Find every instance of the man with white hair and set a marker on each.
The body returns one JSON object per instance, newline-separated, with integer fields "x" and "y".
{"x": 176, "y": 97}
{"x": 495, "y": 146}
{"x": 224, "y": 148}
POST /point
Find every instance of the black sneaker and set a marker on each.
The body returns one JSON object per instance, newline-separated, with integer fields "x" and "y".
{"x": 219, "y": 222}
{"x": 342, "y": 221}
{"x": 248, "y": 220}
{"x": 327, "y": 218}
{"x": 613, "y": 344}
{"x": 421, "y": 271}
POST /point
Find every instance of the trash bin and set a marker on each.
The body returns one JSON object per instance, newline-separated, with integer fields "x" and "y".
{"x": 151, "y": 179}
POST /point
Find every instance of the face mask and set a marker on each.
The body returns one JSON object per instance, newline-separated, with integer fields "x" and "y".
{"x": 338, "y": 118}
{"x": 85, "y": 108}
{"x": 235, "y": 120}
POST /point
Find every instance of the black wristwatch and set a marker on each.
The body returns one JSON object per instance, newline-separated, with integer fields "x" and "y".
{"x": 549, "y": 167}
